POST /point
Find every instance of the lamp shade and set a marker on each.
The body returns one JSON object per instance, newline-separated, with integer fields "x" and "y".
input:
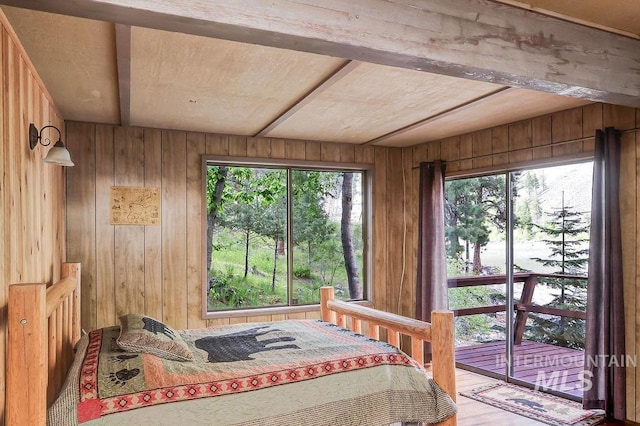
{"x": 59, "y": 155}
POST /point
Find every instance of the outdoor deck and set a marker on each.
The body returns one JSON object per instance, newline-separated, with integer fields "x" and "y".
{"x": 559, "y": 369}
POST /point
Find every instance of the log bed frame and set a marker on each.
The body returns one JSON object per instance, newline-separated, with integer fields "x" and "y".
{"x": 42, "y": 317}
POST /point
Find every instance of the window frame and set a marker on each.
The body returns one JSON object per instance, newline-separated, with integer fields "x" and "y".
{"x": 367, "y": 230}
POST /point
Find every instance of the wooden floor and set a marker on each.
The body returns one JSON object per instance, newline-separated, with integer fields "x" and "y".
{"x": 558, "y": 368}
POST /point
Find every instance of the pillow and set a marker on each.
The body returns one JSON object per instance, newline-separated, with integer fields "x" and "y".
{"x": 140, "y": 333}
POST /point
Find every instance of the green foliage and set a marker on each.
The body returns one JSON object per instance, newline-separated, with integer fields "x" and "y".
{"x": 472, "y": 207}
{"x": 473, "y": 327}
{"x": 228, "y": 290}
{"x": 567, "y": 237}
{"x": 310, "y": 221}
{"x": 302, "y": 271}
{"x": 528, "y": 211}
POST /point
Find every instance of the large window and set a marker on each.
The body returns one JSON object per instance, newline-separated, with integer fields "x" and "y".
{"x": 276, "y": 234}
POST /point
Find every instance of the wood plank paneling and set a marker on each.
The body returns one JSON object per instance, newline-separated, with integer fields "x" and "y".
{"x": 347, "y": 154}
{"x": 129, "y": 239}
{"x": 195, "y": 234}
{"x": 32, "y": 194}
{"x": 14, "y": 156}
{"x": 330, "y": 153}
{"x": 408, "y": 213}
{"x": 237, "y": 146}
{"x": 520, "y": 135}
{"x": 620, "y": 117}
{"x": 217, "y": 145}
{"x": 295, "y": 150}
{"x": 81, "y": 212}
{"x": 450, "y": 149}
{"x": 566, "y": 125}
{"x": 174, "y": 227}
{"x": 482, "y": 148}
{"x": 258, "y": 147}
{"x": 520, "y": 139}
{"x": 592, "y": 118}
{"x": 278, "y": 148}
{"x": 379, "y": 232}
{"x": 394, "y": 200}
{"x": 466, "y": 146}
{"x": 153, "y": 234}
{"x": 105, "y": 232}
{"x": 500, "y": 139}
{"x": 364, "y": 154}
{"x": 312, "y": 151}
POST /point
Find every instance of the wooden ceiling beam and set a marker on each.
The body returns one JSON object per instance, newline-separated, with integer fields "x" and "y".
{"x": 332, "y": 79}
{"x": 475, "y": 39}
{"x": 123, "y": 58}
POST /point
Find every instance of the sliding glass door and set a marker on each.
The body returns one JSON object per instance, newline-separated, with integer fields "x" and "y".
{"x": 517, "y": 247}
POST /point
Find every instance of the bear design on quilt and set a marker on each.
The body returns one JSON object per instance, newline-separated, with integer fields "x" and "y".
{"x": 241, "y": 345}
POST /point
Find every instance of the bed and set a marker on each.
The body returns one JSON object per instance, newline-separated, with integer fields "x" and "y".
{"x": 286, "y": 372}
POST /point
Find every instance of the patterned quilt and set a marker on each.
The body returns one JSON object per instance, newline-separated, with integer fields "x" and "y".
{"x": 287, "y": 372}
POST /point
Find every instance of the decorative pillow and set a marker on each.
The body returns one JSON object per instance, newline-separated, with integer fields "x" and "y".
{"x": 140, "y": 333}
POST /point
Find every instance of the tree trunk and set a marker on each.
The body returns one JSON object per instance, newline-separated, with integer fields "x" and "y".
{"x": 466, "y": 259}
{"x": 213, "y": 212}
{"x": 275, "y": 266}
{"x": 246, "y": 253}
{"x": 355, "y": 289}
{"x": 477, "y": 263}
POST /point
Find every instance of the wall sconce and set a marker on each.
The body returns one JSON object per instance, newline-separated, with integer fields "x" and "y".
{"x": 58, "y": 154}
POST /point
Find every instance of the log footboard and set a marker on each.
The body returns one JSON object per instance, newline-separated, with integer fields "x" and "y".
{"x": 439, "y": 333}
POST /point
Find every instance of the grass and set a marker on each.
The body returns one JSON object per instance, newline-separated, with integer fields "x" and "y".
{"x": 229, "y": 288}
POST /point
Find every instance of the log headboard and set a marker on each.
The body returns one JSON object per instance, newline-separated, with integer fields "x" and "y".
{"x": 43, "y": 327}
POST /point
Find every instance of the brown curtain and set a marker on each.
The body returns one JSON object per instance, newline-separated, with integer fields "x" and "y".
{"x": 605, "y": 311}
{"x": 431, "y": 291}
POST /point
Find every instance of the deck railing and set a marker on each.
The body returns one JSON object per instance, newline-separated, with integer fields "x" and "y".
{"x": 521, "y": 308}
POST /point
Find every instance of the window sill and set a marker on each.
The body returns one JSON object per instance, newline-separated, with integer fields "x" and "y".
{"x": 279, "y": 310}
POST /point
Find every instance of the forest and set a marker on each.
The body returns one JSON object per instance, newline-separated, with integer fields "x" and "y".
{"x": 276, "y": 235}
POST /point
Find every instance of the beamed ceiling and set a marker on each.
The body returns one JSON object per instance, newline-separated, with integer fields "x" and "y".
{"x": 103, "y": 72}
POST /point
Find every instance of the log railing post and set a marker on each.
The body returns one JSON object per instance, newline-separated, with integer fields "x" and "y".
{"x": 73, "y": 270}
{"x": 327, "y": 294}
{"x": 443, "y": 361}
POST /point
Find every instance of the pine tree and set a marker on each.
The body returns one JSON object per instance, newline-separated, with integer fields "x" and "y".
{"x": 566, "y": 232}
{"x": 472, "y": 206}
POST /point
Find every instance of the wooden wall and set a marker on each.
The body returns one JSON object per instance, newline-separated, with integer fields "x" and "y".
{"x": 32, "y": 194}
{"x": 157, "y": 269}
{"x": 547, "y": 139}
